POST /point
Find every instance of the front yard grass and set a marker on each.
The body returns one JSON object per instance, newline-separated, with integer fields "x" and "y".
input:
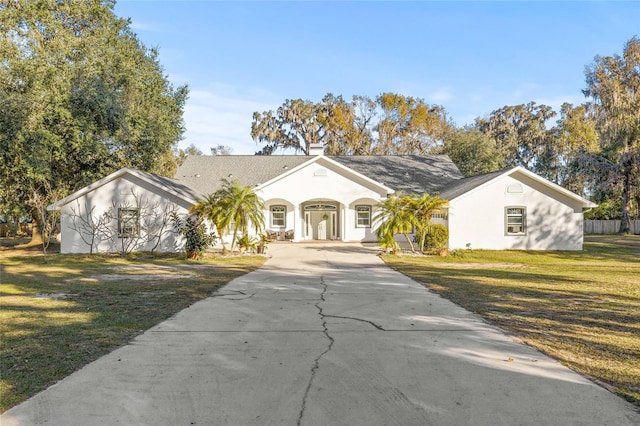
{"x": 57, "y": 316}
{"x": 582, "y": 308}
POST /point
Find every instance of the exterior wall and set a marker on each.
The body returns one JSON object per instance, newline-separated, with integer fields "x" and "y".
{"x": 477, "y": 219}
{"x": 323, "y": 182}
{"x": 364, "y": 234}
{"x": 153, "y": 204}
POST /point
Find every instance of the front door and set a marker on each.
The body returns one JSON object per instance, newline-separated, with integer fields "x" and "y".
{"x": 322, "y": 229}
{"x": 320, "y": 222}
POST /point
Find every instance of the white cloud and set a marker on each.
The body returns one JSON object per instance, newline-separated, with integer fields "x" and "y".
{"x": 142, "y": 26}
{"x": 220, "y": 115}
{"x": 440, "y": 96}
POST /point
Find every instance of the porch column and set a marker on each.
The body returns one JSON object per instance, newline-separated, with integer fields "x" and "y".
{"x": 343, "y": 221}
{"x": 297, "y": 222}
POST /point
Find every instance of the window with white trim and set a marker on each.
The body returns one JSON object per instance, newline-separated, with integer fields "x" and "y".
{"x": 515, "y": 220}
{"x": 128, "y": 223}
{"x": 278, "y": 216}
{"x": 363, "y": 216}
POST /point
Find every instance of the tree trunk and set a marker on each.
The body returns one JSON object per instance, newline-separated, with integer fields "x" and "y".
{"x": 626, "y": 194}
{"x": 37, "y": 228}
{"x": 36, "y": 234}
{"x": 413, "y": 250}
{"x": 424, "y": 237}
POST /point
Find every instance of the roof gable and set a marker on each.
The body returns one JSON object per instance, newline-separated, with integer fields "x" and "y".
{"x": 468, "y": 185}
{"x": 336, "y": 166}
{"x": 165, "y": 184}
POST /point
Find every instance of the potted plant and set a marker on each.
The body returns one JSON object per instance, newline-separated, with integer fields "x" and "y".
{"x": 246, "y": 243}
{"x": 262, "y": 243}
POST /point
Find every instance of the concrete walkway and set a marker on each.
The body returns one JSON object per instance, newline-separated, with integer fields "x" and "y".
{"x": 324, "y": 335}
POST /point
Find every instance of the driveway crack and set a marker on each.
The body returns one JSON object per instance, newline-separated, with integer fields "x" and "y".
{"x": 379, "y": 327}
{"x": 233, "y": 296}
{"x": 316, "y": 362}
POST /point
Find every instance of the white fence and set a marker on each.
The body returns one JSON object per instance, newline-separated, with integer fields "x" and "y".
{"x": 609, "y": 226}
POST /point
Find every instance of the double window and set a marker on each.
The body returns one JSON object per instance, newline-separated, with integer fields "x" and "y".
{"x": 278, "y": 216}
{"x": 128, "y": 223}
{"x": 516, "y": 220}
{"x": 363, "y": 216}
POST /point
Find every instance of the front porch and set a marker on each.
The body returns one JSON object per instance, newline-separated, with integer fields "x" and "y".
{"x": 319, "y": 220}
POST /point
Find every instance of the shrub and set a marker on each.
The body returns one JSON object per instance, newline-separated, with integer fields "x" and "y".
{"x": 197, "y": 239}
{"x": 436, "y": 238}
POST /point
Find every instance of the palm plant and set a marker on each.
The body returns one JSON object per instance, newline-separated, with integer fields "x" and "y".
{"x": 422, "y": 209}
{"x": 232, "y": 208}
{"x": 240, "y": 206}
{"x": 394, "y": 217}
{"x": 209, "y": 208}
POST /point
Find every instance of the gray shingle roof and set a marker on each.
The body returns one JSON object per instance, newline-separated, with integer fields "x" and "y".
{"x": 179, "y": 188}
{"x": 457, "y": 188}
{"x": 204, "y": 173}
{"x": 405, "y": 173}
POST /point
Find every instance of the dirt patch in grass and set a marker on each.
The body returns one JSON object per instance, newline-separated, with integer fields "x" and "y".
{"x": 582, "y": 308}
{"x": 488, "y": 265}
{"x": 57, "y": 316}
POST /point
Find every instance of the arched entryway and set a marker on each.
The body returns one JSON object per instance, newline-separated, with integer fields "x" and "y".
{"x": 321, "y": 220}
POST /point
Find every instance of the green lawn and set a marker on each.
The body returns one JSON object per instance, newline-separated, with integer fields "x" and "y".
{"x": 582, "y": 308}
{"x": 57, "y": 316}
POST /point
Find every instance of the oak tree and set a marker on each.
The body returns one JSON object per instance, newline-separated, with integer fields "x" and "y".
{"x": 613, "y": 84}
{"x": 520, "y": 133}
{"x": 81, "y": 97}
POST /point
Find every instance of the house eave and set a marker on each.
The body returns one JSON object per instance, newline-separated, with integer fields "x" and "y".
{"x": 519, "y": 169}
{"x": 109, "y": 178}
{"x": 347, "y": 170}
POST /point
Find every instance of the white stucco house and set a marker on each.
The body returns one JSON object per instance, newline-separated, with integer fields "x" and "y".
{"x": 129, "y": 210}
{"x": 320, "y": 197}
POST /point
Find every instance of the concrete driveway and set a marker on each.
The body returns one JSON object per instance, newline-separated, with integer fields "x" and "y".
{"x": 324, "y": 335}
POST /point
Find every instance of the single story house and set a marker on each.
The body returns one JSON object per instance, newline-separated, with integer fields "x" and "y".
{"x": 320, "y": 197}
{"x": 129, "y": 210}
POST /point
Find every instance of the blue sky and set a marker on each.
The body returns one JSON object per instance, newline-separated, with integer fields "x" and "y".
{"x": 471, "y": 57}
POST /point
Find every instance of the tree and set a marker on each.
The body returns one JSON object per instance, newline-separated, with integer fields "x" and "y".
{"x": 39, "y": 204}
{"x": 192, "y": 150}
{"x": 221, "y": 150}
{"x": 348, "y": 125}
{"x": 472, "y": 151}
{"x": 392, "y": 124}
{"x": 394, "y": 217}
{"x": 182, "y": 154}
{"x": 521, "y": 134}
{"x": 294, "y": 125}
{"x": 422, "y": 209}
{"x": 211, "y": 209}
{"x": 574, "y": 136}
{"x": 401, "y": 214}
{"x": 408, "y": 125}
{"x": 613, "y": 84}
{"x": 232, "y": 208}
{"x": 194, "y": 230}
{"x": 81, "y": 97}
